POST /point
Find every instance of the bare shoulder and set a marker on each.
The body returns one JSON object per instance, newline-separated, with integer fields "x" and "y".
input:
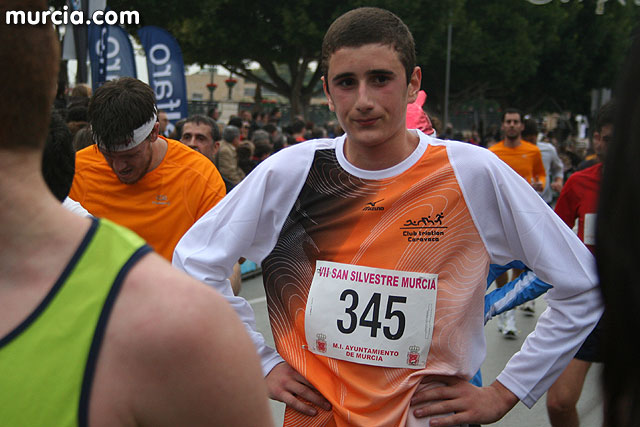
{"x": 154, "y": 285}
{"x": 175, "y": 353}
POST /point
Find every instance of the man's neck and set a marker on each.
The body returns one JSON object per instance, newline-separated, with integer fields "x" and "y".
{"x": 36, "y": 230}
{"x": 18, "y": 172}
{"x": 159, "y": 149}
{"x": 384, "y": 155}
{"x": 512, "y": 142}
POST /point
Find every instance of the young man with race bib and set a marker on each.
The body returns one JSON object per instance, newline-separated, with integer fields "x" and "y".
{"x": 375, "y": 248}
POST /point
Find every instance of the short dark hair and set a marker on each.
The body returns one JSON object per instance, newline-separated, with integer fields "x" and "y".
{"x": 235, "y": 121}
{"x": 82, "y": 139}
{"x": 58, "y": 158}
{"x": 77, "y": 113}
{"x": 30, "y": 57}
{"x": 244, "y": 151}
{"x": 297, "y": 126}
{"x": 200, "y": 119}
{"x": 262, "y": 148}
{"x": 117, "y": 108}
{"x": 511, "y": 111}
{"x": 606, "y": 115}
{"x": 176, "y": 133}
{"x": 530, "y": 127}
{"x": 270, "y": 128}
{"x": 369, "y": 25}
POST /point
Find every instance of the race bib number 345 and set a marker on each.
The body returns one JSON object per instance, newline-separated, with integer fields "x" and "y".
{"x": 371, "y": 315}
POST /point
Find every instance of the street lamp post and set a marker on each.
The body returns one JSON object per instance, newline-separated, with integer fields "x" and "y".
{"x": 211, "y": 86}
{"x": 230, "y": 82}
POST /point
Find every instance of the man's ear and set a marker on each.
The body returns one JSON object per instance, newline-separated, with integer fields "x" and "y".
{"x": 325, "y": 88}
{"x": 216, "y": 147}
{"x": 414, "y": 85}
{"x": 154, "y": 133}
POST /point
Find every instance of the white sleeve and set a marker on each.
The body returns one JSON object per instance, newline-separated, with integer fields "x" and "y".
{"x": 557, "y": 168}
{"x": 246, "y": 223}
{"x": 516, "y": 224}
{"x": 75, "y": 207}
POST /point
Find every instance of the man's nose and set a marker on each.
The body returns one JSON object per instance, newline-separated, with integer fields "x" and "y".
{"x": 189, "y": 142}
{"x": 364, "y": 101}
{"x": 119, "y": 164}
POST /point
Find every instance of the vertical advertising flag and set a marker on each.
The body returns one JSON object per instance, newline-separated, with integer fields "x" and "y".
{"x": 80, "y": 40}
{"x": 166, "y": 71}
{"x": 98, "y": 53}
{"x": 111, "y": 54}
{"x": 75, "y": 39}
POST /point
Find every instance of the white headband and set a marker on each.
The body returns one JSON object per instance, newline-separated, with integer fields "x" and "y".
{"x": 139, "y": 135}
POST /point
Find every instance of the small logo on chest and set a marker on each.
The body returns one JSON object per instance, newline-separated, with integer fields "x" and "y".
{"x": 424, "y": 229}
{"x": 161, "y": 199}
{"x": 373, "y": 206}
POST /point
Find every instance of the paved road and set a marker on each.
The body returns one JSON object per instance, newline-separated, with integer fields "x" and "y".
{"x": 499, "y": 351}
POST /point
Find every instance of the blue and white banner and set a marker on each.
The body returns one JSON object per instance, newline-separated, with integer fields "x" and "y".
{"x": 166, "y": 71}
{"x": 75, "y": 40}
{"x": 111, "y": 54}
{"x": 98, "y": 39}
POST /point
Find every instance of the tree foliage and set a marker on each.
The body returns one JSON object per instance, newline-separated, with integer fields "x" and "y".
{"x": 237, "y": 33}
{"x": 534, "y": 57}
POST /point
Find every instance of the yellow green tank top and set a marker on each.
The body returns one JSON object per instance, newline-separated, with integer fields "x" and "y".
{"x": 48, "y": 361}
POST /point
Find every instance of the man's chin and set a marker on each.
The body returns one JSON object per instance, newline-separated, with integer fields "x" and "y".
{"x": 128, "y": 180}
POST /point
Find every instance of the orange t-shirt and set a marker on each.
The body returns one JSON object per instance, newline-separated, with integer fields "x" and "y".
{"x": 160, "y": 207}
{"x": 525, "y": 159}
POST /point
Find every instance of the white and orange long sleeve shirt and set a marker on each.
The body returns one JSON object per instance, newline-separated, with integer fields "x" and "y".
{"x": 441, "y": 216}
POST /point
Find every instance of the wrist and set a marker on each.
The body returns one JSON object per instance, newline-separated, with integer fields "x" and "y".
{"x": 505, "y": 396}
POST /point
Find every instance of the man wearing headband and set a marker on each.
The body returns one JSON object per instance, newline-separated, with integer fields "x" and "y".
{"x": 155, "y": 186}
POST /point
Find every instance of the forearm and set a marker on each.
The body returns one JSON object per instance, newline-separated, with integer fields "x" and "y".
{"x": 560, "y": 331}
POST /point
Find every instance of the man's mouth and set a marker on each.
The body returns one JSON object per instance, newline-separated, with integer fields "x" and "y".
{"x": 367, "y": 122}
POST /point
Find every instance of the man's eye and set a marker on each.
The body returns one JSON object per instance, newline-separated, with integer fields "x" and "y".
{"x": 346, "y": 82}
{"x": 381, "y": 79}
